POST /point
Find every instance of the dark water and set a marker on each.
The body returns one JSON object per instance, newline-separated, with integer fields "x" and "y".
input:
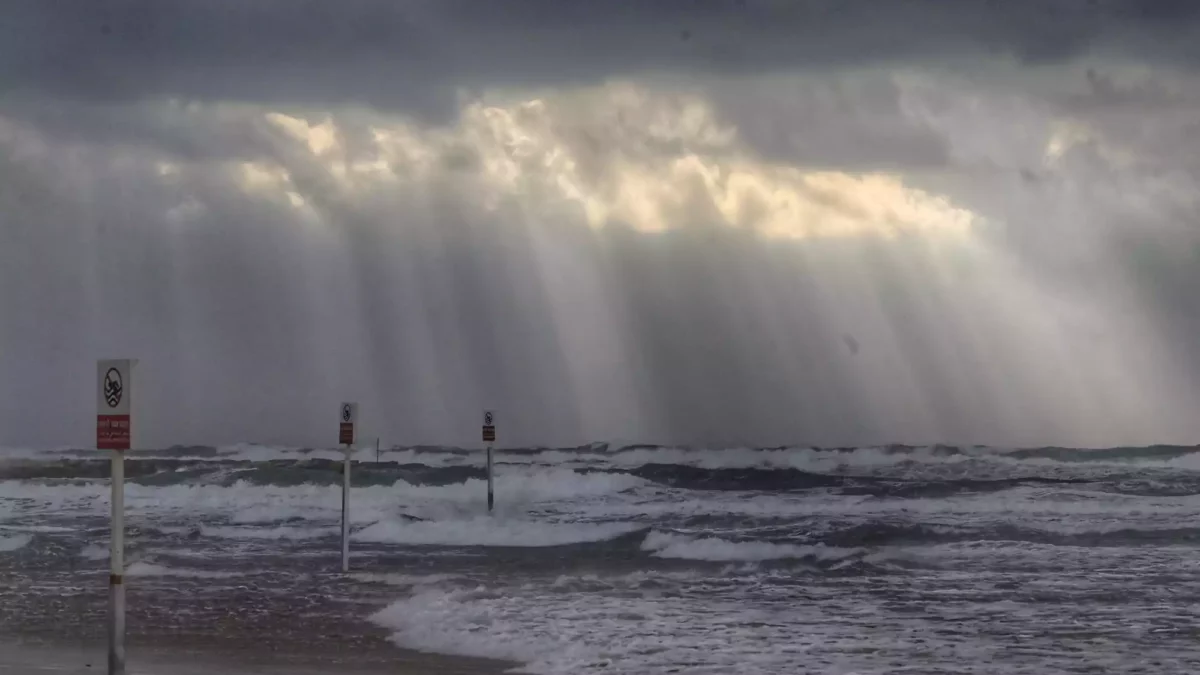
{"x": 640, "y": 559}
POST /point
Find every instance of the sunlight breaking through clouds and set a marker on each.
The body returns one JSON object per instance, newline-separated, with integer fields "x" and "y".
{"x": 633, "y": 157}
{"x": 620, "y": 259}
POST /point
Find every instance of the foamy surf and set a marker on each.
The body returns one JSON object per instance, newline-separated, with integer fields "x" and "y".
{"x": 145, "y": 569}
{"x": 630, "y": 625}
{"x": 638, "y": 560}
{"x": 715, "y": 549}
{"x": 489, "y": 531}
{"x": 13, "y": 542}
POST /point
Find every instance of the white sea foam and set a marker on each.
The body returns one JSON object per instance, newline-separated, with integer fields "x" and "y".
{"x": 747, "y": 617}
{"x": 764, "y": 622}
{"x": 799, "y": 457}
{"x": 253, "y": 452}
{"x": 14, "y": 542}
{"x": 488, "y": 531}
{"x": 396, "y": 579}
{"x": 244, "y": 502}
{"x": 1027, "y": 507}
{"x": 145, "y": 569}
{"x": 869, "y": 458}
{"x": 666, "y": 545}
{"x": 94, "y": 552}
{"x": 533, "y": 494}
{"x": 638, "y": 631}
{"x": 269, "y": 533}
{"x": 526, "y": 485}
{"x": 47, "y": 529}
{"x": 34, "y": 454}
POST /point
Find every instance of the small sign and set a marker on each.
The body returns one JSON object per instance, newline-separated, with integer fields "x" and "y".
{"x": 489, "y": 426}
{"x": 347, "y": 417}
{"x": 114, "y": 398}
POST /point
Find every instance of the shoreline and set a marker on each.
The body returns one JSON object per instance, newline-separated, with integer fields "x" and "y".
{"x": 294, "y": 622}
{"x": 40, "y": 655}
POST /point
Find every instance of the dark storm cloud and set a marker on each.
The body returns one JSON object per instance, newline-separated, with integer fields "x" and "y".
{"x": 256, "y": 319}
{"x": 412, "y": 54}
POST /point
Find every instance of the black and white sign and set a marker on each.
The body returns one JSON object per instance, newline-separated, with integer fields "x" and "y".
{"x": 114, "y": 396}
{"x": 113, "y": 387}
{"x": 347, "y": 417}
{"x": 489, "y": 426}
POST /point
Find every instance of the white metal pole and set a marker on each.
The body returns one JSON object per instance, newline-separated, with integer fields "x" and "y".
{"x": 116, "y": 578}
{"x": 489, "y": 477}
{"x": 346, "y": 511}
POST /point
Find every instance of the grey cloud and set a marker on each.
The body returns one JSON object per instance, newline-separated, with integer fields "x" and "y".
{"x": 854, "y": 122}
{"x": 191, "y": 133}
{"x": 252, "y": 323}
{"x": 246, "y": 330}
{"x": 1115, "y": 216}
{"x": 414, "y": 54}
{"x": 1152, "y": 118}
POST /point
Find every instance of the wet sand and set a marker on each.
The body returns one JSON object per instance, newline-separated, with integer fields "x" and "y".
{"x": 42, "y": 658}
{"x": 55, "y": 621}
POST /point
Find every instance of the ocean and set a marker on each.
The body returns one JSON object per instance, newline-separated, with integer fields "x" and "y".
{"x": 633, "y": 559}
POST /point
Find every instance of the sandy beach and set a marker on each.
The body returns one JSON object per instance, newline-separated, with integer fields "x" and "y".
{"x": 54, "y": 621}
{"x": 25, "y": 657}
{"x": 21, "y": 656}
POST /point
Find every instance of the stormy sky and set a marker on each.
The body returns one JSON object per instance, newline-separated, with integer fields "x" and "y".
{"x": 721, "y": 222}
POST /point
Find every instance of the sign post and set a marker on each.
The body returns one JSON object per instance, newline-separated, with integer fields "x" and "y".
{"x": 489, "y": 437}
{"x": 114, "y": 398}
{"x": 347, "y": 418}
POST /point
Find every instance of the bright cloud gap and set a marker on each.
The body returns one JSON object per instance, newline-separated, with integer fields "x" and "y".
{"x": 525, "y": 154}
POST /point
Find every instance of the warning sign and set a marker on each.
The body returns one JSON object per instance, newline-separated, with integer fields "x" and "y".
{"x": 112, "y": 432}
{"x": 347, "y": 417}
{"x": 114, "y": 397}
{"x": 489, "y": 426}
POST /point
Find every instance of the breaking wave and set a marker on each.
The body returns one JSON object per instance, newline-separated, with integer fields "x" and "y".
{"x": 665, "y": 545}
{"x": 493, "y": 532}
{"x": 10, "y": 543}
{"x": 917, "y": 471}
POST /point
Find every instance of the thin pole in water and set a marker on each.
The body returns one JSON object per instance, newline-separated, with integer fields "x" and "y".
{"x": 347, "y": 418}
{"x": 491, "y": 500}
{"x": 114, "y": 430}
{"x": 346, "y": 511}
{"x": 116, "y": 577}
{"x": 489, "y": 437}
{"x": 377, "y": 450}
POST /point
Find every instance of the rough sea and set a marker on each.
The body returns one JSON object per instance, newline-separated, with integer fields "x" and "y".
{"x": 639, "y": 559}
